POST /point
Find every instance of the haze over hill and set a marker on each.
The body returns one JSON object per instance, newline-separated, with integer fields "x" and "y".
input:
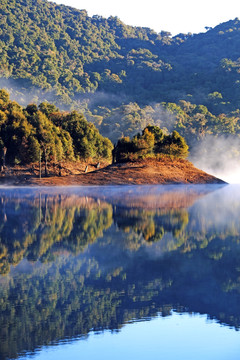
{"x": 122, "y": 77}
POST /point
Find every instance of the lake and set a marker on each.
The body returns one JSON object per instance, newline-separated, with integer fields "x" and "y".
{"x": 123, "y": 272}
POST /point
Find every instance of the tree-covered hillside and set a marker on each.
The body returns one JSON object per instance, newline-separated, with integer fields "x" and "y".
{"x": 62, "y": 49}
{"x": 122, "y": 78}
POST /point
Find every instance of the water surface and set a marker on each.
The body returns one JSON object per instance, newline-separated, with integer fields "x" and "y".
{"x": 120, "y": 272}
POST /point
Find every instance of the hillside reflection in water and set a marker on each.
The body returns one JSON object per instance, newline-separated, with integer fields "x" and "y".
{"x": 77, "y": 260}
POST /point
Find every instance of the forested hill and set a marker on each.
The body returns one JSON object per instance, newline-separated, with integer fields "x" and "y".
{"x": 121, "y": 77}
{"x": 61, "y": 48}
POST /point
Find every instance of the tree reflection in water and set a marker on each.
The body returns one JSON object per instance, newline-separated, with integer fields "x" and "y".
{"x": 88, "y": 259}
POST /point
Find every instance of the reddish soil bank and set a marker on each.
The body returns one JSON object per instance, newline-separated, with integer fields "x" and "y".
{"x": 150, "y": 171}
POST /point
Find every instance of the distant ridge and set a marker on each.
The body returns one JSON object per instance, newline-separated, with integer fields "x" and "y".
{"x": 63, "y": 50}
{"x": 122, "y": 77}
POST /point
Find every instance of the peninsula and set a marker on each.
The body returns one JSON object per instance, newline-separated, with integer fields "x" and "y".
{"x": 139, "y": 172}
{"x": 40, "y": 145}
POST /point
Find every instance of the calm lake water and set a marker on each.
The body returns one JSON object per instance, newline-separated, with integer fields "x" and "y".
{"x": 128, "y": 272}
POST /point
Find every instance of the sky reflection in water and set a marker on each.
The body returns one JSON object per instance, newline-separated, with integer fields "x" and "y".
{"x": 175, "y": 337}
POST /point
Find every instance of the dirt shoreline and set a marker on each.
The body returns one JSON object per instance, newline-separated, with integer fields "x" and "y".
{"x": 142, "y": 172}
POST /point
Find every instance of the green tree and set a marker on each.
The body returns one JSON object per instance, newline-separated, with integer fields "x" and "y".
{"x": 175, "y": 145}
{"x": 152, "y": 142}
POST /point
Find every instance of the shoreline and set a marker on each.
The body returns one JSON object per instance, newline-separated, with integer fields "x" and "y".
{"x": 141, "y": 172}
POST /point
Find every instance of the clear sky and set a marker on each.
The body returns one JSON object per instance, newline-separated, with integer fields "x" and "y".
{"x": 175, "y": 16}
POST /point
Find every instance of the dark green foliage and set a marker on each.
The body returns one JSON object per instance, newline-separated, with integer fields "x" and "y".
{"x": 59, "y": 47}
{"x": 54, "y": 51}
{"x": 157, "y": 132}
{"x": 173, "y": 144}
{"x": 33, "y": 149}
{"x": 87, "y": 141}
{"x": 123, "y": 149}
{"x": 47, "y": 108}
{"x": 30, "y": 134}
{"x": 63, "y": 50}
{"x": 4, "y": 97}
{"x": 151, "y": 142}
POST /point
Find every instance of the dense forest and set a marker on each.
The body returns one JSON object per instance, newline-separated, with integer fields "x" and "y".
{"x": 63, "y": 49}
{"x": 152, "y": 142}
{"x": 44, "y": 133}
{"x": 122, "y": 78}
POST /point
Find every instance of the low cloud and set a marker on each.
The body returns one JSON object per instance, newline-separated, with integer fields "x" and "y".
{"x": 219, "y": 156}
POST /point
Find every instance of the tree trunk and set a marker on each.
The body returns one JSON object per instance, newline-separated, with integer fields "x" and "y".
{"x": 45, "y": 160}
{"x": 4, "y": 156}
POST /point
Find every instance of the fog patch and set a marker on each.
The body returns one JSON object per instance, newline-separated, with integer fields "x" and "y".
{"x": 24, "y": 92}
{"x": 163, "y": 118}
{"x": 100, "y": 98}
{"x": 218, "y": 156}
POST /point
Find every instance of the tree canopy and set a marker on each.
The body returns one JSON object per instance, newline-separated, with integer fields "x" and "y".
{"x": 152, "y": 142}
{"x": 28, "y": 132}
{"x": 67, "y": 53}
{"x": 121, "y": 78}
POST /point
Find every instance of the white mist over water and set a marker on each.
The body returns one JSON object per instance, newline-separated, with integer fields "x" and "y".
{"x": 229, "y": 173}
{"x": 231, "y": 176}
{"x": 219, "y": 156}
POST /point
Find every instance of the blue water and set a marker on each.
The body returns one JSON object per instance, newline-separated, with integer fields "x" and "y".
{"x": 148, "y": 272}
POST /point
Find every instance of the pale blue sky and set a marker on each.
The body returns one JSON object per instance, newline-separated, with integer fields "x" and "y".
{"x": 174, "y": 16}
